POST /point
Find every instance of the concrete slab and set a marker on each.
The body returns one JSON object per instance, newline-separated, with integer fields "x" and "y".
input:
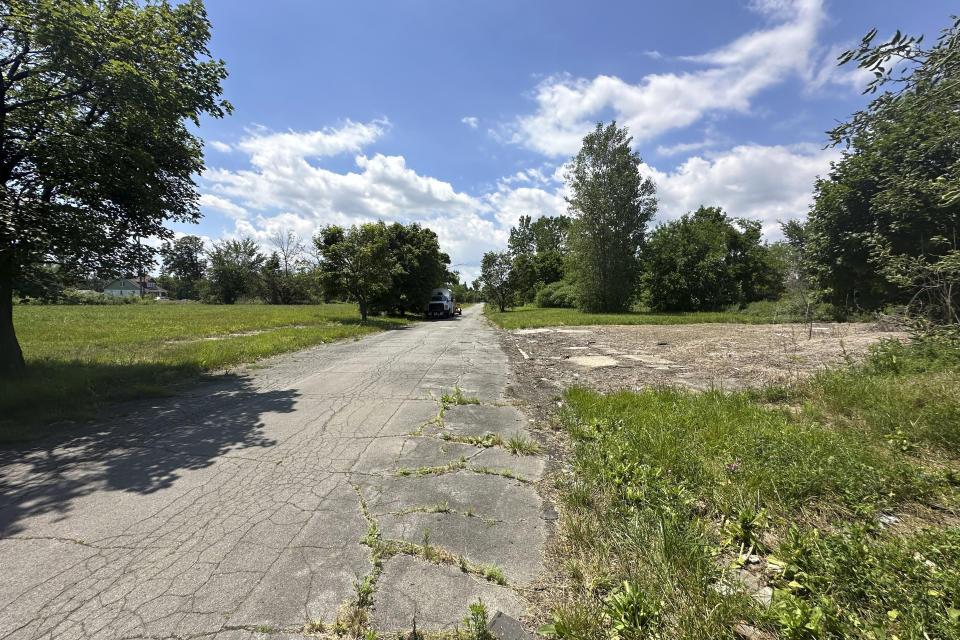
{"x": 479, "y": 420}
{"x": 439, "y": 596}
{"x": 241, "y": 503}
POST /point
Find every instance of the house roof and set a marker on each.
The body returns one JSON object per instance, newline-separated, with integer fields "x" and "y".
{"x": 149, "y": 284}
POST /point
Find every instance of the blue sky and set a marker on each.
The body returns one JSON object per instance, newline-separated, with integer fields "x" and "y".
{"x": 461, "y": 115}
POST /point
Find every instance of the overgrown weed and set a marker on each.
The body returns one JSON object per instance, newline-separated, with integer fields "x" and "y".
{"x": 668, "y": 485}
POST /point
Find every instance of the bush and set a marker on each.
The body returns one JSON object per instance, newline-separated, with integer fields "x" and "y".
{"x": 557, "y": 295}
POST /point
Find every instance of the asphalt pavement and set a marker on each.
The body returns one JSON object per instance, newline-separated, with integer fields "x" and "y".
{"x": 256, "y": 502}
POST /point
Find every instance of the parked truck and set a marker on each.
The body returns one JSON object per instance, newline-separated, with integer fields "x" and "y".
{"x": 442, "y": 304}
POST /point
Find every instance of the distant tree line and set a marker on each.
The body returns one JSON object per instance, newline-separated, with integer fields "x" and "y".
{"x": 882, "y": 232}
{"x": 603, "y": 259}
{"x": 384, "y": 268}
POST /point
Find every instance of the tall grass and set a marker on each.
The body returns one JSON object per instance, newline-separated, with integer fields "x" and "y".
{"x": 80, "y": 358}
{"x": 670, "y": 487}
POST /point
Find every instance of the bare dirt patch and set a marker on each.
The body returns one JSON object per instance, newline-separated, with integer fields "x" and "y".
{"x": 696, "y": 356}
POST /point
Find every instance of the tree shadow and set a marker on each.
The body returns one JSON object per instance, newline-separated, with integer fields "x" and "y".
{"x": 142, "y": 452}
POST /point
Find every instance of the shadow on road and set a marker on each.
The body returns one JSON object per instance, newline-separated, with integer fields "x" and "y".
{"x": 142, "y": 452}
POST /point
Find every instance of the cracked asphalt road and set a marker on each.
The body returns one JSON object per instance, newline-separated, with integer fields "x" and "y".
{"x": 245, "y": 504}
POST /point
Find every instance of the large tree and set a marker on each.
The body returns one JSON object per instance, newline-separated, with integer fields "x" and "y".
{"x": 235, "y": 267}
{"x": 94, "y": 150}
{"x": 420, "y": 267}
{"x": 706, "y": 261}
{"x": 894, "y": 196}
{"x": 356, "y": 262}
{"x": 184, "y": 259}
{"x": 495, "y": 276}
{"x": 611, "y": 204}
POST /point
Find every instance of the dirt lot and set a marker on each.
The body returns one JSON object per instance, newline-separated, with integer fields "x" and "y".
{"x": 697, "y": 356}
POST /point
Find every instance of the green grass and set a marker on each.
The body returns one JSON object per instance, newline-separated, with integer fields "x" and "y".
{"x": 670, "y": 487}
{"x": 80, "y": 358}
{"x": 530, "y": 317}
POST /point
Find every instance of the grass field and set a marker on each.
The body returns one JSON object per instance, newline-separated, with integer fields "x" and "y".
{"x": 530, "y": 317}
{"x": 82, "y": 357}
{"x": 672, "y": 491}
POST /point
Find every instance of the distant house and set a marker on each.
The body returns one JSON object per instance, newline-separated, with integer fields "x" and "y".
{"x": 132, "y": 287}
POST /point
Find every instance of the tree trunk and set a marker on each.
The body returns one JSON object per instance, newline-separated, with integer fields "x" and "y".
{"x": 363, "y": 309}
{"x": 11, "y": 357}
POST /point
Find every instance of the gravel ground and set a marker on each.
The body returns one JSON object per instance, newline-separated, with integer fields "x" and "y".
{"x": 697, "y": 356}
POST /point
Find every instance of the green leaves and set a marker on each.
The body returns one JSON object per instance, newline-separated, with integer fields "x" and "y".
{"x": 707, "y": 261}
{"x": 612, "y": 205}
{"x": 89, "y": 87}
{"x": 356, "y": 262}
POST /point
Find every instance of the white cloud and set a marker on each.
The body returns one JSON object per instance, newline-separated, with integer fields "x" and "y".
{"x": 267, "y": 147}
{"x": 766, "y": 183}
{"x": 224, "y": 206}
{"x": 567, "y": 107}
{"x": 282, "y": 190}
{"x": 508, "y": 204}
{"x": 824, "y": 71}
{"x": 684, "y": 147}
{"x": 222, "y": 147}
{"x": 470, "y": 121}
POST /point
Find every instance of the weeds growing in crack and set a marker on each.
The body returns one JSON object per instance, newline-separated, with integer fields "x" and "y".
{"x": 313, "y": 627}
{"x": 475, "y": 624}
{"x": 519, "y": 446}
{"x": 427, "y": 551}
{"x": 444, "y": 507}
{"x": 487, "y": 441}
{"x": 266, "y": 628}
{"x": 354, "y": 616}
{"x": 436, "y": 554}
{"x": 494, "y": 574}
{"x": 506, "y": 473}
{"x": 457, "y": 398}
{"x": 364, "y": 588}
{"x": 454, "y": 465}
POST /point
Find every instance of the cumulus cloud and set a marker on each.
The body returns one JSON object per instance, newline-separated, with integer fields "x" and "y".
{"x": 222, "y": 147}
{"x": 766, "y": 183}
{"x": 224, "y": 206}
{"x": 282, "y": 189}
{"x": 730, "y": 77}
{"x": 267, "y": 147}
{"x": 684, "y": 147}
{"x": 470, "y": 121}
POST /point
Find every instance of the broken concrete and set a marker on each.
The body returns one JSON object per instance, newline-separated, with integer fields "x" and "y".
{"x": 245, "y": 504}
{"x": 438, "y": 595}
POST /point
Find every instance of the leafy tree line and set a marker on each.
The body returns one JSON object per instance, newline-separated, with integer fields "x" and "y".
{"x": 884, "y": 225}
{"x": 602, "y": 258}
{"x": 384, "y": 268}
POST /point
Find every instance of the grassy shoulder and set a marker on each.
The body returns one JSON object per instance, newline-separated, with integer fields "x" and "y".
{"x": 80, "y": 358}
{"x": 838, "y": 498}
{"x": 531, "y": 317}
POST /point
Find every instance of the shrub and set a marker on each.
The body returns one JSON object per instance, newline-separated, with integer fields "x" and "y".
{"x": 558, "y": 295}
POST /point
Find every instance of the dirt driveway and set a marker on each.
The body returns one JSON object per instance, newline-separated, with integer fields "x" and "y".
{"x": 697, "y": 356}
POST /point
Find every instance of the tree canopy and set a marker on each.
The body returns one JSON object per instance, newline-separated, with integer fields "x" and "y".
{"x": 706, "y": 261}
{"x": 184, "y": 260}
{"x": 420, "y": 267}
{"x": 611, "y": 205}
{"x": 895, "y": 193}
{"x": 94, "y": 149}
{"x": 356, "y": 262}
{"x": 495, "y": 276}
